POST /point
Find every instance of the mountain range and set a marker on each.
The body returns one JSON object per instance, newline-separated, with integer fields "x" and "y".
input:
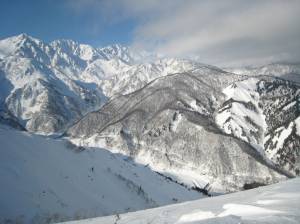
{"x": 190, "y": 125}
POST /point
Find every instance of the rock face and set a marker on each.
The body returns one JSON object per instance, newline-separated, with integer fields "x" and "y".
{"x": 170, "y": 124}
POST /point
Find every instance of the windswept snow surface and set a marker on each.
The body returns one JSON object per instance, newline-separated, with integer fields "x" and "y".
{"x": 45, "y": 180}
{"x": 278, "y": 203}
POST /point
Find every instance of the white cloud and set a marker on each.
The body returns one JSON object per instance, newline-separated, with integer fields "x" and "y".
{"x": 219, "y": 32}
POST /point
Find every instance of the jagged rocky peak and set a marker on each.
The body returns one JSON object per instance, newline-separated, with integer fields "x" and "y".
{"x": 72, "y": 48}
{"x": 128, "y": 54}
{"x": 21, "y": 39}
{"x": 119, "y": 51}
{"x": 43, "y": 89}
{"x": 26, "y": 46}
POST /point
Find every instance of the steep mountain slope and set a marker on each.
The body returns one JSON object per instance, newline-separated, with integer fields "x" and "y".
{"x": 274, "y": 204}
{"x": 170, "y": 125}
{"x": 38, "y": 92}
{"x": 45, "y": 180}
{"x": 265, "y": 112}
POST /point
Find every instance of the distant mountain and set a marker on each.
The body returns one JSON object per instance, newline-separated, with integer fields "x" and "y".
{"x": 49, "y": 86}
{"x": 288, "y": 71}
{"x": 126, "y": 54}
{"x": 41, "y": 90}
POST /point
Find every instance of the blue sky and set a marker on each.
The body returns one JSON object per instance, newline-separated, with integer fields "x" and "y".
{"x": 55, "y": 19}
{"x": 231, "y": 32}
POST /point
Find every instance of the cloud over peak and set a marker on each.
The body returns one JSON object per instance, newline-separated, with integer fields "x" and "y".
{"x": 218, "y": 32}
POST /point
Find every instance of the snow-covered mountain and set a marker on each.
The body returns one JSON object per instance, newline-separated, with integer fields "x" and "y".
{"x": 198, "y": 126}
{"x": 49, "y": 86}
{"x": 274, "y": 204}
{"x": 128, "y": 55}
{"x": 288, "y": 71}
{"x": 40, "y": 85}
{"x": 170, "y": 124}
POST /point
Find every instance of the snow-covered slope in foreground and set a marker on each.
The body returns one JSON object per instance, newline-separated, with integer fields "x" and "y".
{"x": 45, "y": 180}
{"x": 278, "y": 203}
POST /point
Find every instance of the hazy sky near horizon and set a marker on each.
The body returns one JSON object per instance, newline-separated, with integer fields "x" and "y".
{"x": 217, "y": 32}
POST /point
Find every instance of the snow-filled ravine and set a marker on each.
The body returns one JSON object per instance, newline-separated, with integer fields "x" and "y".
{"x": 278, "y": 203}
